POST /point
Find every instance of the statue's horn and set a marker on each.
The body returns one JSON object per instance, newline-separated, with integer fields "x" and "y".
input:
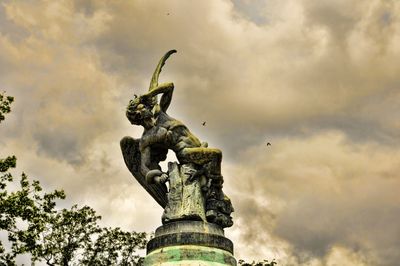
{"x": 154, "y": 79}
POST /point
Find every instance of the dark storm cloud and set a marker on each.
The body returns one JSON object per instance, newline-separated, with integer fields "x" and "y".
{"x": 62, "y": 145}
{"x": 316, "y": 224}
{"x": 334, "y": 198}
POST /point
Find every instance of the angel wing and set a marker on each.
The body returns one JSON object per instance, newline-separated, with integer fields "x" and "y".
{"x": 132, "y": 158}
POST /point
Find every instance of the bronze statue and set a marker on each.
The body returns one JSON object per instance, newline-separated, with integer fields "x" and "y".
{"x": 195, "y": 183}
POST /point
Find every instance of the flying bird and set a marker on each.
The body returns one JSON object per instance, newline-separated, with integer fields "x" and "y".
{"x": 204, "y": 123}
{"x": 268, "y": 144}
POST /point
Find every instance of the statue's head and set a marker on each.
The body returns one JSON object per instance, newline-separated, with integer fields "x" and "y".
{"x": 139, "y": 111}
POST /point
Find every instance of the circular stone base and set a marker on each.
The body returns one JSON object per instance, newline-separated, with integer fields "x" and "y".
{"x": 189, "y": 255}
{"x": 189, "y": 243}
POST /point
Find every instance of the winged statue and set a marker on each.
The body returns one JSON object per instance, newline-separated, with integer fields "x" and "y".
{"x": 194, "y": 190}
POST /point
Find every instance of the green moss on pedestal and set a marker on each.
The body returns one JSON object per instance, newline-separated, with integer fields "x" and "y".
{"x": 189, "y": 255}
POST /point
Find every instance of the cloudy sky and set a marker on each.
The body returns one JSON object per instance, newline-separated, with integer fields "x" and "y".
{"x": 318, "y": 79}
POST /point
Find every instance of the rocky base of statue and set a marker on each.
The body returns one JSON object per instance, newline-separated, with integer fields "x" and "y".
{"x": 193, "y": 196}
{"x": 189, "y": 243}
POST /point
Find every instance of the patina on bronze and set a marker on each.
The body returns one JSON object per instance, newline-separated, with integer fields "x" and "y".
{"x": 195, "y": 181}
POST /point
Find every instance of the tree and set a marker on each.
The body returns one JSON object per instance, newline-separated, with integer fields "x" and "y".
{"x": 5, "y": 102}
{"x": 56, "y": 236}
{"x": 6, "y": 222}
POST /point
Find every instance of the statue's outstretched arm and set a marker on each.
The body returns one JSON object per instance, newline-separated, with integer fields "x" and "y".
{"x": 166, "y": 89}
{"x": 151, "y": 175}
{"x": 132, "y": 156}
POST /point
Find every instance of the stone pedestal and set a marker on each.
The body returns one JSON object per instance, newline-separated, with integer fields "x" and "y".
{"x": 189, "y": 243}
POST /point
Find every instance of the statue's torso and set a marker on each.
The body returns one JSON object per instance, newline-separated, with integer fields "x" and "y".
{"x": 168, "y": 133}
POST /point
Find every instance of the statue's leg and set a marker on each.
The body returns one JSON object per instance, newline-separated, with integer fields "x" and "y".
{"x": 199, "y": 155}
{"x": 218, "y": 205}
{"x": 209, "y": 159}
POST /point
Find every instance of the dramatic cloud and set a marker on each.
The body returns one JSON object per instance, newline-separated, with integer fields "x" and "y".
{"x": 319, "y": 193}
{"x": 317, "y": 79}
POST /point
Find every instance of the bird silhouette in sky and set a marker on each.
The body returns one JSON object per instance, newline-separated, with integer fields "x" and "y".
{"x": 268, "y": 144}
{"x": 204, "y": 123}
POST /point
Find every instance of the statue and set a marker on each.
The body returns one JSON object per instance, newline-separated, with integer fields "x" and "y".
{"x": 194, "y": 189}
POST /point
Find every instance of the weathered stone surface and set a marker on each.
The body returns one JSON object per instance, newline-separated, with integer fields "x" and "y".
{"x": 185, "y": 199}
{"x": 199, "y": 239}
{"x": 189, "y": 226}
{"x": 190, "y": 243}
{"x": 189, "y": 255}
{"x": 218, "y": 211}
{"x": 190, "y": 233}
